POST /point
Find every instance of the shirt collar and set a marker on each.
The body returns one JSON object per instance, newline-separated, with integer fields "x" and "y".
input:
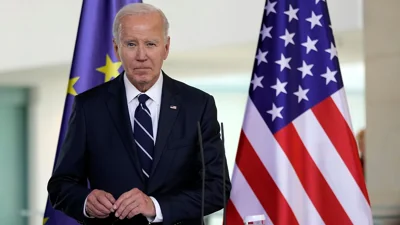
{"x": 154, "y": 92}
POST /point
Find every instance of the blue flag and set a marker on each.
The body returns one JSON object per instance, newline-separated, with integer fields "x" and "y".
{"x": 93, "y": 64}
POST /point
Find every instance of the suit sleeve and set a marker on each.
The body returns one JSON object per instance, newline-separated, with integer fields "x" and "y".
{"x": 186, "y": 204}
{"x": 67, "y": 186}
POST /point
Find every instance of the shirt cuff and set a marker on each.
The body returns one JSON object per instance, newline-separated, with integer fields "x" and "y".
{"x": 84, "y": 210}
{"x": 159, "y": 217}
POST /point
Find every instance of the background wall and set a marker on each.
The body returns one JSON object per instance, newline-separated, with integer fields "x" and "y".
{"x": 39, "y": 33}
{"x": 382, "y": 58}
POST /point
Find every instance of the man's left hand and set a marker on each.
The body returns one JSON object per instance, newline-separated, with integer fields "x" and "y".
{"x": 132, "y": 203}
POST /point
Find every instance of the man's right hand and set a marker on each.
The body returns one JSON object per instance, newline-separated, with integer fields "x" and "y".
{"x": 99, "y": 204}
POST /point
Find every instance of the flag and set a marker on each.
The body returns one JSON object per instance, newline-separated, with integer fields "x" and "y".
{"x": 297, "y": 160}
{"x": 93, "y": 63}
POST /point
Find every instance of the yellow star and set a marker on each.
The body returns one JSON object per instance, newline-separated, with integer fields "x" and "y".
{"x": 110, "y": 69}
{"x": 71, "y": 83}
{"x": 45, "y": 220}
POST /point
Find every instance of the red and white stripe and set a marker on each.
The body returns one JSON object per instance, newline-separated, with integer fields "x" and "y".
{"x": 307, "y": 173}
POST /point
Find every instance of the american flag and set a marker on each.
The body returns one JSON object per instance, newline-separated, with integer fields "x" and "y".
{"x": 297, "y": 159}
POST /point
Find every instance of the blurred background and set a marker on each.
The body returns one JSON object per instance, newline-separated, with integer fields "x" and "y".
{"x": 213, "y": 45}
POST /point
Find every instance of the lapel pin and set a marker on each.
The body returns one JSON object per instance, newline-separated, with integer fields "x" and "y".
{"x": 172, "y": 106}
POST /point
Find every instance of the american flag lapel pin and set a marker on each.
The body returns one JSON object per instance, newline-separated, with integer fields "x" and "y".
{"x": 172, "y": 106}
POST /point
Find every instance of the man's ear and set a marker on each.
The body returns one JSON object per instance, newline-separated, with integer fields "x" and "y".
{"x": 167, "y": 45}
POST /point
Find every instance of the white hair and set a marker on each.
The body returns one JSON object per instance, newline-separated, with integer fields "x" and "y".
{"x": 137, "y": 9}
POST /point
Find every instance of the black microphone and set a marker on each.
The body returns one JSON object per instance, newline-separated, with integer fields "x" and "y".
{"x": 223, "y": 175}
{"x": 203, "y": 171}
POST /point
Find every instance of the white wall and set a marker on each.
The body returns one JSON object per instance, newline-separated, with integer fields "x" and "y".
{"x": 46, "y": 104}
{"x": 42, "y": 32}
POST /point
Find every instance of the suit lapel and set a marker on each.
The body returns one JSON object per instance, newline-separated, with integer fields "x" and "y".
{"x": 118, "y": 107}
{"x": 170, "y": 105}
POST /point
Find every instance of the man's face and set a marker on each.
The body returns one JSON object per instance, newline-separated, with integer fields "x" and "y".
{"x": 142, "y": 47}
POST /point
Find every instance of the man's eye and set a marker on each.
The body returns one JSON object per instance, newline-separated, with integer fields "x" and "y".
{"x": 130, "y": 44}
{"x": 151, "y": 44}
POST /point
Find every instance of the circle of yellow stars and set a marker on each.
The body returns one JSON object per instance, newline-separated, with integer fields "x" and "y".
{"x": 110, "y": 70}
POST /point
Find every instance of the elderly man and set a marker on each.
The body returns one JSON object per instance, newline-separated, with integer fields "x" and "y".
{"x": 135, "y": 139}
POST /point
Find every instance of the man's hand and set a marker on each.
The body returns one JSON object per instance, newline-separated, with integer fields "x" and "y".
{"x": 132, "y": 203}
{"x": 99, "y": 204}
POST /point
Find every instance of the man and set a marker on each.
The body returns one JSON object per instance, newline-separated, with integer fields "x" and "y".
{"x": 135, "y": 139}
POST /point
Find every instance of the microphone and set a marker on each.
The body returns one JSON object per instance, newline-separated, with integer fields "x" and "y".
{"x": 223, "y": 175}
{"x": 203, "y": 171}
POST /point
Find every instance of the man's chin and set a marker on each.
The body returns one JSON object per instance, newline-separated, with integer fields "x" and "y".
{"x": 143, "y": 80}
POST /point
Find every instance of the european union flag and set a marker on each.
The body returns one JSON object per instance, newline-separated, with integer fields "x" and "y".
{"x": 93, "y": 63}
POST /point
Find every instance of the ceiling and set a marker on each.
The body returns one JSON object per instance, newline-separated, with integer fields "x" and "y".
{"x": 216, "y": 33}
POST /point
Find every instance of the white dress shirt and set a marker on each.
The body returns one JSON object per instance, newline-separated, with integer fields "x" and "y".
{"x": 153, "y": 104}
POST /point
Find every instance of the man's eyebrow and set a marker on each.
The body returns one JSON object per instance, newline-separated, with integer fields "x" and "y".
{"x": 153, "y": 40}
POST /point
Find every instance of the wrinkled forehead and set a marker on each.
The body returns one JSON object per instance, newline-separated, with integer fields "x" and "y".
{"x": 142, "y": 22}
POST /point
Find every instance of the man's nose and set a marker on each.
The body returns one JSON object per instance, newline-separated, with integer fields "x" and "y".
{"x": 141, "y": 54}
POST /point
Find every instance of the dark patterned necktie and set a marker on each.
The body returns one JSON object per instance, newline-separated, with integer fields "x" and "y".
{"x": 143, "y": 135}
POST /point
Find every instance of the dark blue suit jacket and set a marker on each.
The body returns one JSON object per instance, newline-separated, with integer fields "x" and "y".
{"x": 99, "y": 147}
